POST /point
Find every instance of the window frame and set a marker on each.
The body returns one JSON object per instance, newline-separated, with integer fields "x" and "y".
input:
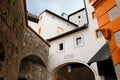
{"x": 97, "y": 35}
{"x": 61, "y": 46}
{"x": 90, "y": 1}
{"x": 58, "y": 46}
{"x": 82, "y": 40}
{"x": 79, "y": 17}
{"x": 59, "y": 28}
{"x": 93, "y": 16}
{"x": 39, "y": 30}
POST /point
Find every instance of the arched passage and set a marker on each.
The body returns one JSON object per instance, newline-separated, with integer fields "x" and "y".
{"x": 32, "y": 68}
{"x": 74, "y": 71}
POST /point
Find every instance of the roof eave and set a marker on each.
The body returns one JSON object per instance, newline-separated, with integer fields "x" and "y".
{"x": 68, "y": 33}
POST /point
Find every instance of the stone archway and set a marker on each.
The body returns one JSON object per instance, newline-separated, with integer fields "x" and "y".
{"x": 74, "y": 71}
{"x": 32, "y": 68}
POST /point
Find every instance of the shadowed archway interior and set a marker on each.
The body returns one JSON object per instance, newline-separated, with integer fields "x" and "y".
{"x": 32, "y": 68}
{"x": 74, "y": 71}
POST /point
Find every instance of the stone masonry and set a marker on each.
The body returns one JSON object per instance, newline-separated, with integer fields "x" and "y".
{"x": 23, "y": 53}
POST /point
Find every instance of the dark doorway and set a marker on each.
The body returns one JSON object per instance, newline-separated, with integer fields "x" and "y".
{"x": 106, "y": 69}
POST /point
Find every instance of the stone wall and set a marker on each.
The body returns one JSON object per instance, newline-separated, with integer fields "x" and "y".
{"x": 32, "y": 44}
{"x": 12, "y": 23}
{"x": 31, "y": 70}
{"x": 34, "y": 57}
{"x": 19, "y": 42}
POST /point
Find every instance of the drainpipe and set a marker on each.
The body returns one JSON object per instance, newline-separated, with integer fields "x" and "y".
{"x": 86, "y": 11}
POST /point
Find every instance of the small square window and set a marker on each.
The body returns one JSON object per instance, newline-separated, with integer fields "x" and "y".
{"x": 99, "y": 33}
{"x": 61, "y": 46}
{"x": 78, "y": 40}
{"x": 60, "y": 30}
{"x": 79, "y": 17}
{"x": 93, "y": 15}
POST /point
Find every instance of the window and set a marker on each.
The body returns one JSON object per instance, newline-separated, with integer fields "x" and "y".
{"x": 40, "y": 18}
{"x": 60, "y": 30}
{"x": 78, "y": 40}
{"x": 117, "y": 37}
{"x": 90, "y": 1}
{"x": 61, "y": 46}
{"x": 39, "y": 30}
{"x": 99, "y": 33}
{"x": 93, "y": 15}
{"x": 79, "y": 17}
{"x": 52, "y": 17}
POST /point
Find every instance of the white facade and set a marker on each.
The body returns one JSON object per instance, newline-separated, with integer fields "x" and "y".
{"x": 33, "y": 25}
{"x": 73, "y": 53}
{"x": 70, "y": 52}
{"x": 50, "y": 23}
{"x": 79, "y": 17}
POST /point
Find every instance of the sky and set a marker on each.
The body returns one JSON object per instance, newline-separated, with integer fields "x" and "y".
{"x": 57, "y": 6}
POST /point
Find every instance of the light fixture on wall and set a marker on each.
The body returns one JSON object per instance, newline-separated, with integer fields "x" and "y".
{"x": 69, "y": 68}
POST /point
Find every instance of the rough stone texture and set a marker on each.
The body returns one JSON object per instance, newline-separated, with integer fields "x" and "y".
{"x": 115, "y": 12}
{"x": 20, "y": 43}
{"x": 117, "y": 37}
{"x": 117, "y": 69}
{"x": 32, "y": 44}
{"x": 33, "y": 56}
{"x": 32, "y": 71}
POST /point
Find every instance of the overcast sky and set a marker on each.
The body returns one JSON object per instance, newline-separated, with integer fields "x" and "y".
{"x": 56, "y": 6}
